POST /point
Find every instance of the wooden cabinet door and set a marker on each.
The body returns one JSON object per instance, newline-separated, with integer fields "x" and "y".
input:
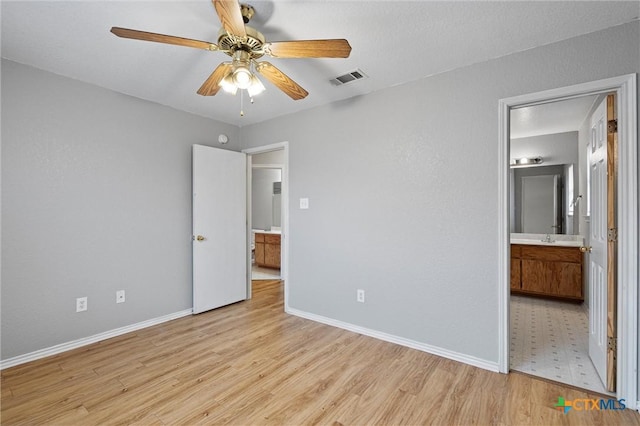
{"x": 536, "y": 276}
{"x": 567, "y": 279}
{"x": 562, "y": 279}
{"x": 272, "y": 255}
{"x": 515, "y": 274}
{"x": 259, "y": 253}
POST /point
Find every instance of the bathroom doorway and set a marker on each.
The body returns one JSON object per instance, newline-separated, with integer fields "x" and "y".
{"x": 549, "y": 306}
{"x": 623, "y": 305}
{"x": 266, "y": 216}
{"x": 268, "y": 212}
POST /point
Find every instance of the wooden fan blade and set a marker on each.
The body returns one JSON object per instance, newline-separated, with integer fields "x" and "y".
{"x": 336, "y": 48}
{"x": 230, "y": 16}
{"x": 161, "y": 38}
{"x": 281, "y": 80}
{"x": 211, "y": 86}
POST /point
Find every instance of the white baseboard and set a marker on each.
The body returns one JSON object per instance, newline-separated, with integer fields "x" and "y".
{"x": 63, "y": 347}
{"x": 445, "y": 353}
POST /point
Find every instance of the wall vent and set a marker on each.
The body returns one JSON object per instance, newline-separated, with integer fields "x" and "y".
{"x": 348, "y": 77}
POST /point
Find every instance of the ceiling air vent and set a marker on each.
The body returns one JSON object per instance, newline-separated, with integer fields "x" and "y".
{"x": 348, "y": 78}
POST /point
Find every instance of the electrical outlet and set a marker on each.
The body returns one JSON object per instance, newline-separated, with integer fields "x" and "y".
{"x": 81, "y": 304}
{"x": 120, "y": 296}
{"x": 360, "y": 295}
{"x": 304, "y": 203}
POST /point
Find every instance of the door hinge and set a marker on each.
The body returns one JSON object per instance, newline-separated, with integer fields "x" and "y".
{"x": 612, "y": 344}
{"x": 612, "y": 234}
{"x": 612, "y": 126}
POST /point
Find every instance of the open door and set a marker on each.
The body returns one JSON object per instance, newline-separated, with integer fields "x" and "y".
{"x": 219, "y": 228}
{"x": 602, "y": 252}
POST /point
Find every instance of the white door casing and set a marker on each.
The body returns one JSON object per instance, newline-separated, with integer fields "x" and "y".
{"x": 219, "y": 228}
{"x": 597, "y": 259}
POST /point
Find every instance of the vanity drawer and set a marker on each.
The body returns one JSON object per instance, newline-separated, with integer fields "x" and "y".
{"x": 552, "y": 254}
{"x": 259, "y": 238}
{"x": 271, "y": 239}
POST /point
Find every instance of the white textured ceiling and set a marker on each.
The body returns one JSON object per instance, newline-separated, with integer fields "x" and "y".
{"x": 550, "y": 118}
{"x": 393, "y": 42}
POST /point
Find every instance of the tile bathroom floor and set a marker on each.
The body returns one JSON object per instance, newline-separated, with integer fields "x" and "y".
{"x": 549, "y": 339}
{"x": 260, "y": 273}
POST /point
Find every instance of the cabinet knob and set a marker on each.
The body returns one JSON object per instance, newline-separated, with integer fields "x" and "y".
{"x": 585, "y": 249}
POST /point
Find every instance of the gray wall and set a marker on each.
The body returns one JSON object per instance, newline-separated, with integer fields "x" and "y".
{"x": 556, "y": 148}
{"x": 402, "y": 183}
{"x": 262, "y": 197}
{"x": 96, "y": 197}
{"x": 271, "y": 157}
{"x": 403, "y": 189}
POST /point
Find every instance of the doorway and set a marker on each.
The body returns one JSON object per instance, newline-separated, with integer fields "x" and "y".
{"x": 267, "y": 214}
{"x": 627, "y": 215}
{"x": 549, "y": 306}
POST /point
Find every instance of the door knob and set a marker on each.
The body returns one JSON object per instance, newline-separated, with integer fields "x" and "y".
{"x": 200, "y": 238}
{"x": 585, "y": 249}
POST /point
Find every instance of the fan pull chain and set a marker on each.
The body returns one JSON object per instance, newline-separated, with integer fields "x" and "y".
{"x": 241, "y": 103}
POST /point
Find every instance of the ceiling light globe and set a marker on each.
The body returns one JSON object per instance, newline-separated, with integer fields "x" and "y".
{"x": 242, "y": 78}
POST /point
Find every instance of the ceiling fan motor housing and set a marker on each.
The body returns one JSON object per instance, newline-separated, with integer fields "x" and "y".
{"x": 252, "y": 43}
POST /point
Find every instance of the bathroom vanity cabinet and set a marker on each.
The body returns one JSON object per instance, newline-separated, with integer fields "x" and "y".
{"x": 550, "y": 271}
{"x": 267, "y": 246}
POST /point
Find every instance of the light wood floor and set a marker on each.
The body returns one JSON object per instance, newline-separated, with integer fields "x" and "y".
{"x": 250, "y": 363}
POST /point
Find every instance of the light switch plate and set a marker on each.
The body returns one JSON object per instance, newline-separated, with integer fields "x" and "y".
{"x": 304, "y": 203}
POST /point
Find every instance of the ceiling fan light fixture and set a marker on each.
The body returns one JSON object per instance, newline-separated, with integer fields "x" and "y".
{"x": 256, "y": 86}
{"x": 242, "y": 77}
{"x": 228, "y": 85}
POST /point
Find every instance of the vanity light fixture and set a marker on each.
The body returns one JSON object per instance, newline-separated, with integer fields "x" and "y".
{"x": 526, "y": 161}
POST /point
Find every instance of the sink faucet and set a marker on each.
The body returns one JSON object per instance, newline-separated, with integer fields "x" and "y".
{"x": 547, "y": 239}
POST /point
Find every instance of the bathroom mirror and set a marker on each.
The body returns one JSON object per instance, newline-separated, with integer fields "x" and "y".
{"x": 541, "y": 200}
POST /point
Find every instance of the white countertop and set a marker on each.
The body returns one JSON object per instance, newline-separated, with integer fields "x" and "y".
{"x": 557, "y": 240}
{"x": 262, "y": 231}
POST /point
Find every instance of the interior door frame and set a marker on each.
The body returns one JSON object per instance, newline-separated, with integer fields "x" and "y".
{"x": 284, "y": 239}
{"x": 627, "y": 218}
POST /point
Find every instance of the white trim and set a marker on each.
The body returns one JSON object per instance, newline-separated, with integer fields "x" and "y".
{"x": 628, "y": 361}
{"x": 249, "y": 234}
{"x": 63, "y": 347}
{"x": 625, "y": 88}
{"x": 266, "y": 166}
{"x": 434, "y": 350}
{"x": 267, "y": 148}
{"x": 284, "y": 267}
{"x": 504, "y": 235}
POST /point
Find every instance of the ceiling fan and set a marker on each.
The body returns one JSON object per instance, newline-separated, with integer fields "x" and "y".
{"x": 245, "y": 45}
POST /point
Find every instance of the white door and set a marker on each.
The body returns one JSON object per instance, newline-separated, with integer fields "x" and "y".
{"x": 219, "y": 227}
{"x": 597, "y": 259}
